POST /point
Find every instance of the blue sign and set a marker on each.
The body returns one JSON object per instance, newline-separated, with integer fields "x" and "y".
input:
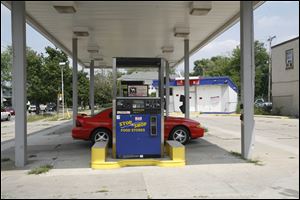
{"x": 133, "y": 135}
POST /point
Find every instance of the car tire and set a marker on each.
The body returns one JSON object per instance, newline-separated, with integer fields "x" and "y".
{"x": 101, "y": 134}
{"x": 180, "y": 134}
{"x": 8, "y": 118}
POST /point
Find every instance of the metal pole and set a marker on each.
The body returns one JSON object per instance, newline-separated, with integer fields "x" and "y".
{"x": 167, "y": 88}
{"x": 270, "y": 68}
{"x": 247, "y": 78}
{"x": 114, "y": 96}
{"x": 75, "y": 92}
{"x": 62, "y": 90}
{"x": 92, "y": 87}
{"x": 19, "y": 80}
{"x": 161, "y": 95}
{"x": 186, "y": 78}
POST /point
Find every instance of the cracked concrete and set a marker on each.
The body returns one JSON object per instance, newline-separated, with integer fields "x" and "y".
{"x": 211, "y": 170}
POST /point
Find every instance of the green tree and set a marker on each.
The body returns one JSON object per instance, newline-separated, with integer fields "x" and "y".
{"x": 44, "y": 76}
{"x": 83, "y": 88}
{"x": 6, "y": 63}
{"x": 199, "y": 66}
{"x": 52, "y": 74}
{"x": 103, "y": 88}
{"x": 35, "y": 86}
{"x": 261, "y": 69}
{"x": 230, "y": 66}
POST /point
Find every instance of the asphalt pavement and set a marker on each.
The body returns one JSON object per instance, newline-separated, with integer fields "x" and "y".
{"x": 213, "y": 170}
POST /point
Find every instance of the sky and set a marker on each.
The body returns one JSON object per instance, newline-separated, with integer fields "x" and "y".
{"x": 279, "y": 18}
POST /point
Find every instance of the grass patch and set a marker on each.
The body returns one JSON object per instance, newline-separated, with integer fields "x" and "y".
{"x": 48, "y": 117}
{"x": 58, "y": 118}
{"x": 103, "y": 190}
{"x": 33, "y": 118}
{"x": 106, "y": 105}
{"x": 5, "y": 159}
{"x": 239, "y": 155}
{"x": 41, "y": 169}
{"x": 236, "y": 154}
{"x": 261, "y": 111}
{"x": 205, "y": 129}
{"x": 255, "y": 162}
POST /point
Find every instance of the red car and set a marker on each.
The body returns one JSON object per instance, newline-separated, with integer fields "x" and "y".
{"x": 10, "y": 110}
{"x": 99, "y": 128}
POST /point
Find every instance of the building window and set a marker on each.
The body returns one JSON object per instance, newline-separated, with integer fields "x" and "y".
{"x": 289, "y": 59}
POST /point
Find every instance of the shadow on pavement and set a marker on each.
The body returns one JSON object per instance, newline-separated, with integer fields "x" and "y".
{"x": 60, "y": 150}
{"x": 201, "y": 151}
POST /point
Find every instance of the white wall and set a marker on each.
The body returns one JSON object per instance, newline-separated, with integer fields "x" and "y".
{"x": 211, "y": 98}
{"x": 206, "y": 98}
{"x": 285, "y": 82}
{"x": 177, "y": 91}
{"x": 233, "y": 100}
{"x": 225, "y": 98}
{"x": 171, "y": 103}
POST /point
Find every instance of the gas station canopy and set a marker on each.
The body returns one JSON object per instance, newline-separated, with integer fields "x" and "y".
{"x": 130, "y": 28}
{"x": 95, "y": 33}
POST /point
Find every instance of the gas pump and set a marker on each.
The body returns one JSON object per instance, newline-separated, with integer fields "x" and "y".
{"x": 138, "y": 119}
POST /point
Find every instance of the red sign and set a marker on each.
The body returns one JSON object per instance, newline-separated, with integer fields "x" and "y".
{"x": 192, "y": 82}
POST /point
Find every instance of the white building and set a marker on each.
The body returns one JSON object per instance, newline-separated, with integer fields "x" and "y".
{"x": 207, "y": 94}
{"x": 285, "y": 77}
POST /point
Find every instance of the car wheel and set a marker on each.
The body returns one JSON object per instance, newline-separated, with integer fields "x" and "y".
{"x": 100, "y": 135}
{"x": 180, "y": 134}
{"x": 8, "y": 117}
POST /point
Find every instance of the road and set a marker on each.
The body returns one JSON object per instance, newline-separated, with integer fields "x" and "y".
{"x": 211, "y": 171}
{"x": 8, "y": 127}
{"x": 274, "y": 132}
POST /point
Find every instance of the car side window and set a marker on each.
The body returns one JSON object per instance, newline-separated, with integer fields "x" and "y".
{"x": 110, "y": 115}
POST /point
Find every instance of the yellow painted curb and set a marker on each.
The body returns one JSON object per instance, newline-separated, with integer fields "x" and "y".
{"x": 138, "y": 162}
{"x": 174, "y": 150}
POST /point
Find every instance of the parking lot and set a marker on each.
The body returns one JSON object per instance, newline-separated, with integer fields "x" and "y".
{"x": 213, "y": 170}
{"x": 8, "y": 128}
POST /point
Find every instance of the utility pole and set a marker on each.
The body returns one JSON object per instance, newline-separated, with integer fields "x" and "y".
{"x": 62, "y": 87}
{"x": 270, "y": 66}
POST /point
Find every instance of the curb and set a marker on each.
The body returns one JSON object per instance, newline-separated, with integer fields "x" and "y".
{"x": 272, "y": 116}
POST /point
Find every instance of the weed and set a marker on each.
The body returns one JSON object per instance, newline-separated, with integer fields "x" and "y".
{"x": 103, "y": 190}
{"x": 41, "y": 169}
{"x": 5, "y": 159}
{"x": 205, "y": 129}
{"x": 239, "y": 155}
{"x": 236, "y": 154}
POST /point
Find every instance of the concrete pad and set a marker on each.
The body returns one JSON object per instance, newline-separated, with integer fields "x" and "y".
{"x": 212, "y": 171}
